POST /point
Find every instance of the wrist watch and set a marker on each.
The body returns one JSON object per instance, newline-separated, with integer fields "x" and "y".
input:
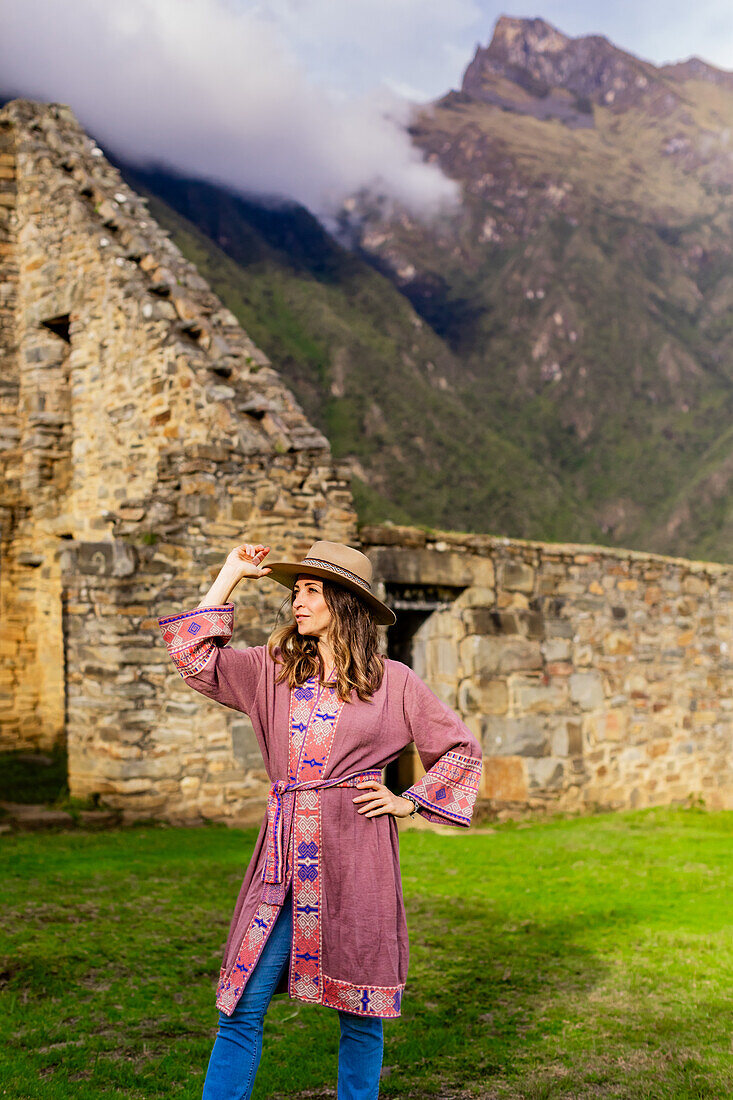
{"x": 414, "y": 803}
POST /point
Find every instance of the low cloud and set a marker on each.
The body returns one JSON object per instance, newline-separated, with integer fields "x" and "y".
{"x": 216, "y": 91}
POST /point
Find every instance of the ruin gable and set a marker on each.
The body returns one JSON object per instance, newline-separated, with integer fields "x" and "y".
{"x": 143, "y": 435}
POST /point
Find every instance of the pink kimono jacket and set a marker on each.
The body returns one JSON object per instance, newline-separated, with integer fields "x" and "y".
{"x": 349, "y": 946}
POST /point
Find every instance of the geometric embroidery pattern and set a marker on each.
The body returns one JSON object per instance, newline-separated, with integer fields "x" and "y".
{"x": 189, "y": 637}
{"x": 362, "y": 1000}
{"x": 447, "y": 791}
{"x": 231, "y": 985}
{"x": 314, "y": 714}
{"x": 296, "y": 859}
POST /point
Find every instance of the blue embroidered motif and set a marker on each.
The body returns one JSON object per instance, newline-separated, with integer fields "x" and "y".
{"x": 442, "y": 793}
{"x": 365, "y": 1000}
{"x": 193, "y": 628}
{"x": 308, "y": 849}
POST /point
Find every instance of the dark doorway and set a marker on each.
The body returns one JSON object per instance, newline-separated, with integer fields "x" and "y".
{"x": 413, "y": 605}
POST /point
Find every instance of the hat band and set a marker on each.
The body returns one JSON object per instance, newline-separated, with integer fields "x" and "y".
{"x": 338, "y": 569}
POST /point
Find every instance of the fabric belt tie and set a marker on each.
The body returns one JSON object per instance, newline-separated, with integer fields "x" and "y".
{"x": 280, "y": 808}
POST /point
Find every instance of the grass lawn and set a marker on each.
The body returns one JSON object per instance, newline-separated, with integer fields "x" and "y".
{"x": 583, "y": 958}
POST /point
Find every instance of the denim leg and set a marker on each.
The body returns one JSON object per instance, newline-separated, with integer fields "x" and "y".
{"x": 238, "y": 1046}
{"x": 360, "y": 1057}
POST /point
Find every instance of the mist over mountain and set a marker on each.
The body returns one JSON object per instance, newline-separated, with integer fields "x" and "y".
{"x": 553, "y": 358}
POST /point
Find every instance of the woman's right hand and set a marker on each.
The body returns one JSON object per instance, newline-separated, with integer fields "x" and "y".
{"x": 246, "y": 560}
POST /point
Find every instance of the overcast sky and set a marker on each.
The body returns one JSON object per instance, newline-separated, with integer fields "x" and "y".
{"x": 304, "y": 98}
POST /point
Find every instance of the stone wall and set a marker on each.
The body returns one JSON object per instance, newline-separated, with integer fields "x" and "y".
{"x": 143, "y": 436}
{"x": 593, "y": 677}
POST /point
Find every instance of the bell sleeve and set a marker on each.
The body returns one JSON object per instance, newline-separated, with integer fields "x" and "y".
{"x": 197, "y": 642}
{"x": 449, "y": 752}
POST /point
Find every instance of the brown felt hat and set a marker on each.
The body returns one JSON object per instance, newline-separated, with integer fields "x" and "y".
{"x": 333, "y": 561}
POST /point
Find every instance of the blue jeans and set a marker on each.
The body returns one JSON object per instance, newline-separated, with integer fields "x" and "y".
{"x": 238, "y": 1047}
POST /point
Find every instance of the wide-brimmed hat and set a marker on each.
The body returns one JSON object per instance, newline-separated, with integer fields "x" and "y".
{"x": 333, "y": 561}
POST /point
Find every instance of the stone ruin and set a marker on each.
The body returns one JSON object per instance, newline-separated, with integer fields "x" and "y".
{"x": 142, "y": 435}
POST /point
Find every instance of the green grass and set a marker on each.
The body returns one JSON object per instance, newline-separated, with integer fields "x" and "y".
{"x": 553, "y": 959}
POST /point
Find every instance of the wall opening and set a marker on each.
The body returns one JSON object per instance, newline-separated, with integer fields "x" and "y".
{"x": 413, "y": 604}
{"x": 59, "y": 326}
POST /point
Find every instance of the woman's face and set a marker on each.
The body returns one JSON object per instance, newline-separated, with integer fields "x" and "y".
{"x": 309, "y": 606}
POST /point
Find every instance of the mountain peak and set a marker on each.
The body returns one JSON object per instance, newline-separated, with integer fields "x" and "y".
{"x": 531, "y": 67}
{"x": 526, "y": 35}
{"x": 697, "y": 69}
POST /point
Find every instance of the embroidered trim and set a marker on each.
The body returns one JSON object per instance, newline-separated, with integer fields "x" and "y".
{"x": 196, "y": 611}
{"x": 230, "y": 986}
{"x": 280, "y": 809}
{"x": 338, "y": 569}
{"x": 448, "y": 790}
{"x": 313, "y": 717}
{"x": 189, "y": 636}
{"x": 315, "y": 734}
{"x": 363, "y": 1000}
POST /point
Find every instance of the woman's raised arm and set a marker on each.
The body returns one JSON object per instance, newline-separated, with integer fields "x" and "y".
{"x": 243, "y": 561}
{"x": 197, "y": 640}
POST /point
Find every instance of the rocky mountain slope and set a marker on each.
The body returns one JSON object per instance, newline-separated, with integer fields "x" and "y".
{"x": 370, "y": 372}
{"x": 554, "y": 359}
{"x": 586, "y": 284}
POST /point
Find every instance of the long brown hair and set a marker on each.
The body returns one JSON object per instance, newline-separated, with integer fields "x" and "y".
{"x": 354, "y": 638}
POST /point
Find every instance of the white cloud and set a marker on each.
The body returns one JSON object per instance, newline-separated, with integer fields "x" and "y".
{"x": 218, "y": 90}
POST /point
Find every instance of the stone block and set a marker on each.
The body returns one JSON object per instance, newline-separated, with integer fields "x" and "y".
{"x": 512, "y": 601}
{"x": 558, "y": 628}
{"x": 559, "y": 737}
{"x": 545, "y": 773}
{"x": 503, "y": 736}
{"x": 492, "y": 655}
{"x": 586, "y": 689}
{"x": 516, "y": 576}
{"x": 534, "y": 696}
{"x": 612, "y": 725}
{"x": 29, "y": 816}
{"x": 476, "y": 597}
{"x": 479, "y": 620}
{"x": 695, "y": 586}
{"x": 504, "y": 779}
{"x": 112, "y": 558}
{"x": 556, "y": 649}
{"x": 617, "y": 643}
{"x": 441, "y": 659}
{"x": 575, "y": 737}
{"x": 485, "y": 697}
{"x": 403, "y": 565}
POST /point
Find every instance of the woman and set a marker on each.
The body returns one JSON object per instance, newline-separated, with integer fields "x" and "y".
{"x": 320, "y": 913}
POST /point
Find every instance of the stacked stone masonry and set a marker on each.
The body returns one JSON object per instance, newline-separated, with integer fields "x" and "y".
{"x": 593, "y": 677}
{"x": 142, "y": 435}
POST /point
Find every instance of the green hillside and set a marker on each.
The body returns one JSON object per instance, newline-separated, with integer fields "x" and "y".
{"x": 586, "y": 282}
{"x": 551, "y": 359}
{"x": 367, "y": 370}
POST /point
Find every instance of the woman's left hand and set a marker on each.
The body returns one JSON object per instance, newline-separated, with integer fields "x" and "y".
{"x": 380, "y": 800}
